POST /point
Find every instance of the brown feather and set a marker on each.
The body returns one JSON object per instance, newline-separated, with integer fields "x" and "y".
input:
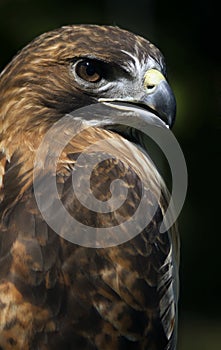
{"x": 54, "y": 293}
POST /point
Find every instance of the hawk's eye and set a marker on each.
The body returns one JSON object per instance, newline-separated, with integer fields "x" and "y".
{"x": 89, "y": 70}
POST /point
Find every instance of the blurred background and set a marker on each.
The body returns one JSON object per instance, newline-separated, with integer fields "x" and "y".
{"x": 187, "y": 34}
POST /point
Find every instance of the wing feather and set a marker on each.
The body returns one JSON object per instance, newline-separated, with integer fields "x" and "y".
{"x": 77, "y": 297}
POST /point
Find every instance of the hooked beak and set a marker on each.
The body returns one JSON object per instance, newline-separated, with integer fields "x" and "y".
{"x": 159, "y": 96}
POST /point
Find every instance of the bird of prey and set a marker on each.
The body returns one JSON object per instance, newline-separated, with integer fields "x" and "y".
{"x": 55, "y": 293}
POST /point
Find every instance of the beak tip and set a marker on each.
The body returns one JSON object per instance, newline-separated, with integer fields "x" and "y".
{"x": 173, "y": 112}
{"x": 171, "y": 117}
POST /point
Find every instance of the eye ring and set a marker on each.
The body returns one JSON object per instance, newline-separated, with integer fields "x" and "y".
{"x": 88, "y": 70}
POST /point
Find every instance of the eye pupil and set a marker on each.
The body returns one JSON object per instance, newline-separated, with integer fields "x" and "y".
{"x": 89, "y": 71}
{"x": 90, "y": 68}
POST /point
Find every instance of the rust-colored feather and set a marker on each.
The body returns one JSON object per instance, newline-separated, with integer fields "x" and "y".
{"x": 53, "y": 293}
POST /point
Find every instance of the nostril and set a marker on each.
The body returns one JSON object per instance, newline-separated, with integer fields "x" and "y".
{"x": 149, "y": 87}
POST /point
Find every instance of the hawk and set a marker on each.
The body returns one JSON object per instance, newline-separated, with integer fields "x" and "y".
{"x": 55, "y": 293}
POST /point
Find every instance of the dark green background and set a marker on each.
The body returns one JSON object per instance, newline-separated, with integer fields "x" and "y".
{"x": 187, "y": 34}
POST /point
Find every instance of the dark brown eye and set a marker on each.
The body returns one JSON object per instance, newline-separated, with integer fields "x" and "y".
{"x": 89, "y": 71}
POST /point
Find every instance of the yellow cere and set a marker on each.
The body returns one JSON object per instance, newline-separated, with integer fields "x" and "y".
{"x": 152, "y": 78}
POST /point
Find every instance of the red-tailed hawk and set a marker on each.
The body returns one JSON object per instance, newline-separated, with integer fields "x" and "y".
{"x": 56, "y": 294}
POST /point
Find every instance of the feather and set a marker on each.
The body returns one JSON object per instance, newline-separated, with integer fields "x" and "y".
{"x": 55, "y": 293}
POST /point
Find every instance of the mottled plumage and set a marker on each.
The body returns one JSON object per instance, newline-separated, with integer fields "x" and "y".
{"x": 55, "y": 294}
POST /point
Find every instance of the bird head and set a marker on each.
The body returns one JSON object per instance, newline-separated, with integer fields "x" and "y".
{"x": 79, "y": 65}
